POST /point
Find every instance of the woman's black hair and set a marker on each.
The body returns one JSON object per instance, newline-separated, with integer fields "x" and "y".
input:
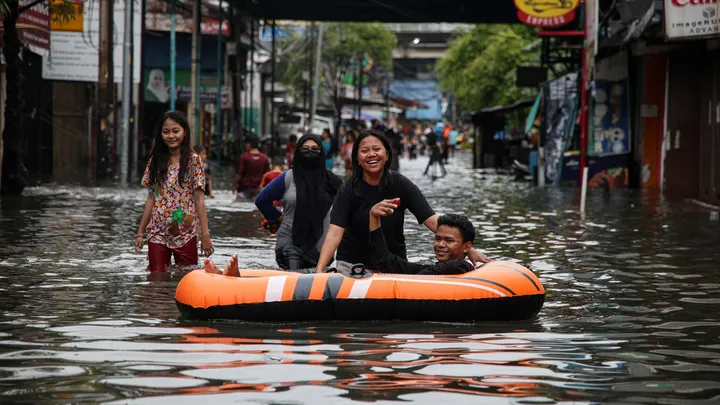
{"x": 357, "y": 171}
{"x": 160, "y": 153}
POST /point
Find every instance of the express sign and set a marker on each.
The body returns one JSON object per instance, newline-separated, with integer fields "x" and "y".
{"x": 692, "y": 18}
{"x": 547, "y": 13}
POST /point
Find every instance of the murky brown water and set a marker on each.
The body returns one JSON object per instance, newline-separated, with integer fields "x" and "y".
{"x": 631, "y": 314}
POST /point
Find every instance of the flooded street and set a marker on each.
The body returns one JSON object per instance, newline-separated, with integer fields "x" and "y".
{"x": 631, "y": 314}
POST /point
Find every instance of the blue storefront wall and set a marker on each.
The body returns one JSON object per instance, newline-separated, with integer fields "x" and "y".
{"x": 156, "y": 51}
{"x": 425, "y": 91}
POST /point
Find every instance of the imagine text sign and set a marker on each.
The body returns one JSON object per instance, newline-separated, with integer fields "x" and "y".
{"x": 691, "y": 18}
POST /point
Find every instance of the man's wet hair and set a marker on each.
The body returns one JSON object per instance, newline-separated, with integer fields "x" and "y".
{"x": 253, "y": 141}
{"x": 462, "y": 223}
{"x": 278, "y": 161}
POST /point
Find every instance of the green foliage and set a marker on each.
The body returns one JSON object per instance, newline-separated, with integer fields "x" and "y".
{"x": 345, "y": 42}
{"x": 479, "y": 67}
{"x": 343, "y": 45}
{"x": 60, "y": 10}
{"x": 4, "y": 8}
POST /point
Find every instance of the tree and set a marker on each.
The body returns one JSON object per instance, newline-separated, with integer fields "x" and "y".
{"x": 12, "y": 169}
{"x": 344, "y": 44}
{"x": 479, "y": 67}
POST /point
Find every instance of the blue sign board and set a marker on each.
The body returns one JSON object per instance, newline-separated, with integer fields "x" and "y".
{"x": 281, "y": 32}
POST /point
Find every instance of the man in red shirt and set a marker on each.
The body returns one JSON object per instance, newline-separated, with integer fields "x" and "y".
{"x": 252, "y": 166}
{"x": 290, "y": 150}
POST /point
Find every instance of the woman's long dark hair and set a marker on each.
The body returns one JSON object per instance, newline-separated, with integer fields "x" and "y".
{"x": 357, "y": 170}
{"x": 160, "y": 153}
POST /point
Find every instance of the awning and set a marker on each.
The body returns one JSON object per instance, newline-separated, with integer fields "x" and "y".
{"x": 406, "y": 103}
{"x": 635, "y": 16}
{"x": 533, "y": 114}
{"x": 365, "y": 101}
{"x": 426, "y": 92}
{"x": 505, "y": 108}
{"x": 492, "y": 117}
{"x": 349, "y": 112}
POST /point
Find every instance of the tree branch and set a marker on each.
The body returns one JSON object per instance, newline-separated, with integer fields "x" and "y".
{"x": 29, "y": 6}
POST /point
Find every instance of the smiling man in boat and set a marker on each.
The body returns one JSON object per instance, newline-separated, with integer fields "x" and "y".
{"x": 453, "y": 240}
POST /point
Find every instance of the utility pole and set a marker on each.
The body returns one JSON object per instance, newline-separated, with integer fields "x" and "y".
{"x": 251, "y": 99}
{"x": 354, "y": 84}
{"x": 361, "y": 76}
{"x": 316, "y": 80}
{"x": 388, "y": 78}
{"x": 195, "y": 85}
{"x": 218, "y": 110}
{"x": 127, "y": 101}
{"x": 272, "y": 92}
{"x": 105, "y": 92}
{"x": 173, "y": 54}
{"x": 308, "y": 96}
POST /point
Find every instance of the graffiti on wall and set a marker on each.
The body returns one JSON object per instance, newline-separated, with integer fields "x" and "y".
{"x": 561, "y": 104}
{"x": 610, "y": 170}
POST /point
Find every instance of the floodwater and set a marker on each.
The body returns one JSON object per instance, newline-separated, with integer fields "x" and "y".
{"x": 631, "y": 314}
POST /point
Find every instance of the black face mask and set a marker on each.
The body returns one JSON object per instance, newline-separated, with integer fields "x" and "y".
{"x": 312, "y": 159}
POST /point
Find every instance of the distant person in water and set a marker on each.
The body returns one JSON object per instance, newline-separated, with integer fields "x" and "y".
{"x": 200, "y": 151}
{"x": 327, "y": 147}
{"x": 252, "y": 166}
{"x": 290, "y": 150}
{"x": 277, "y": 169}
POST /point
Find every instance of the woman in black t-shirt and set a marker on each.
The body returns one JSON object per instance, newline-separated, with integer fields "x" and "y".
{"x": 372, "y": 181}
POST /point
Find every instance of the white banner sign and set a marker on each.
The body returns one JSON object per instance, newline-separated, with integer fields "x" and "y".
{"x": 691, "y": 18}
{"x": 74, "y": 55}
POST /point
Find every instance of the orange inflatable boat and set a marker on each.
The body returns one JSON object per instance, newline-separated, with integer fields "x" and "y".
{"x": 499, "y": 291}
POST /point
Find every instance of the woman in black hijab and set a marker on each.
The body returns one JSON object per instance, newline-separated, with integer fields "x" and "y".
{"x": 306, "y": 193}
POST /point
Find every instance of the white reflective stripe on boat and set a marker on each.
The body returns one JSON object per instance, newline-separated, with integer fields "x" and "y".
{"x": 413, "y": 280}
{"x": 359, "y": 289}
{"x": 275, "y": 287}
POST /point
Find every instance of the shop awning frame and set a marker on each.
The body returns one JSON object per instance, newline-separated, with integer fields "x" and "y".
{"x": 399, "y": 11}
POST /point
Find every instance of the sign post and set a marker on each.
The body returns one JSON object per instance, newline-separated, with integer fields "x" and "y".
{"x": 558, "y": 13}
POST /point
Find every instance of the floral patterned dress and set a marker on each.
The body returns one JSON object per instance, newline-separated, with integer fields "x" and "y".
{"x": 174, "y": 220}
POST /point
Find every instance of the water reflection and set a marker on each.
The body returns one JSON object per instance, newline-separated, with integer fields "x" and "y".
{"x": 630, "y": 315}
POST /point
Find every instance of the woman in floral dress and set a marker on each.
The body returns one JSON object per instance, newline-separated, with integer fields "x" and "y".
{"x": 174, "y": 213}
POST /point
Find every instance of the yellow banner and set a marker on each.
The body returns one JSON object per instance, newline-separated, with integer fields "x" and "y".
{"x": 75, "y": 23}
{"x": 546, "y": 13}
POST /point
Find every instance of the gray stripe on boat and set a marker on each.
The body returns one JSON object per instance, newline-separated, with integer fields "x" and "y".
{"x": 333, "y": 286}
{"x": 303, "y": 287}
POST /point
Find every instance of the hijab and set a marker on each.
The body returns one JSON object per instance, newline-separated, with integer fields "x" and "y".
{"x": 316, "y": 188}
